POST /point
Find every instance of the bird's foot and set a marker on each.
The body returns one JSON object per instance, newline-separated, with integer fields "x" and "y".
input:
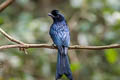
{"x": 53, "y": 45}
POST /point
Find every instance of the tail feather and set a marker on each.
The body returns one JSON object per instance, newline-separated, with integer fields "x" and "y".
{"x": 63, "y": 66}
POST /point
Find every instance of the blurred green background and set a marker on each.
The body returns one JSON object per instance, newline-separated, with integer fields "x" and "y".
{"x": 91, "y": 22}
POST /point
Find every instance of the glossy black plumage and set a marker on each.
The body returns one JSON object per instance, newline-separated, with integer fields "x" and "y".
{"x": 60, "y": 35}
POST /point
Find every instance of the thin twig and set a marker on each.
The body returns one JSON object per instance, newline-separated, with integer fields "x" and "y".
{"x": 5, "y": 4}
{"x": 14, "y": 40}
{"x": 9, "y": 37}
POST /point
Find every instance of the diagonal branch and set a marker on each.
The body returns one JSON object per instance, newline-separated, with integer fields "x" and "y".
{"x": 13, "y": 40}
{"x": 10, "y": 38}
{"x": 5, "y": 4}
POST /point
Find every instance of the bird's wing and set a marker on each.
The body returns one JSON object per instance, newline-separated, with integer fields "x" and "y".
{"x": 66, "y": 39}
{"x": 56, "y": 37}
{"x": 60, "y": 37}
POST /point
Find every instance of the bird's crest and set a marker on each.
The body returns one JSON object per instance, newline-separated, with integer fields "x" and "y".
{"x": 55, "y": 12}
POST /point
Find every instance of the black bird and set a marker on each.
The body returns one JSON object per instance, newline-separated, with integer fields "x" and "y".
{"x": 60, "y": 35}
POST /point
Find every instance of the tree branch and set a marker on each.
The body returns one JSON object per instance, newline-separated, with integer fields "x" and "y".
{"x": 10, "y": 38}
{"x": 5, "y": 4}
{"x": 13, "y": 40}
{"x": 24, "y": 46}
{"x": 54, "y": 47}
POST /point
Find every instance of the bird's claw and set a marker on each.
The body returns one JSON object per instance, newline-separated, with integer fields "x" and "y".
{"x": 53, "y": 45}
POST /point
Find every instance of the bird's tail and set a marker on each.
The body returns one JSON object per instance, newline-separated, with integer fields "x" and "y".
{"x": 63, "y": 66}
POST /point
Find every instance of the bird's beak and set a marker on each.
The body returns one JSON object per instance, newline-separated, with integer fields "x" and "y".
{"x": 49, "y": 14}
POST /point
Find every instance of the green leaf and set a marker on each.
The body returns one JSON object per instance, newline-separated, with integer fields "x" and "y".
{"x": 111, "y": 55}
{"x": 75, "y": 66}
{"x": 1, "y": 20}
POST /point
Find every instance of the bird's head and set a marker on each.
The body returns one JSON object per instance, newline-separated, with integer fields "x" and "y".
{"x": 56, "y": 15}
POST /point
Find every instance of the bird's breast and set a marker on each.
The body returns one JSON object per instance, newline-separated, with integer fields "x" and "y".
{"x": 59, "y": 27}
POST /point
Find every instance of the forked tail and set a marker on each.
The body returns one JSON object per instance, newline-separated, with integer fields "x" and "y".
{"x": 63, "y": 66}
